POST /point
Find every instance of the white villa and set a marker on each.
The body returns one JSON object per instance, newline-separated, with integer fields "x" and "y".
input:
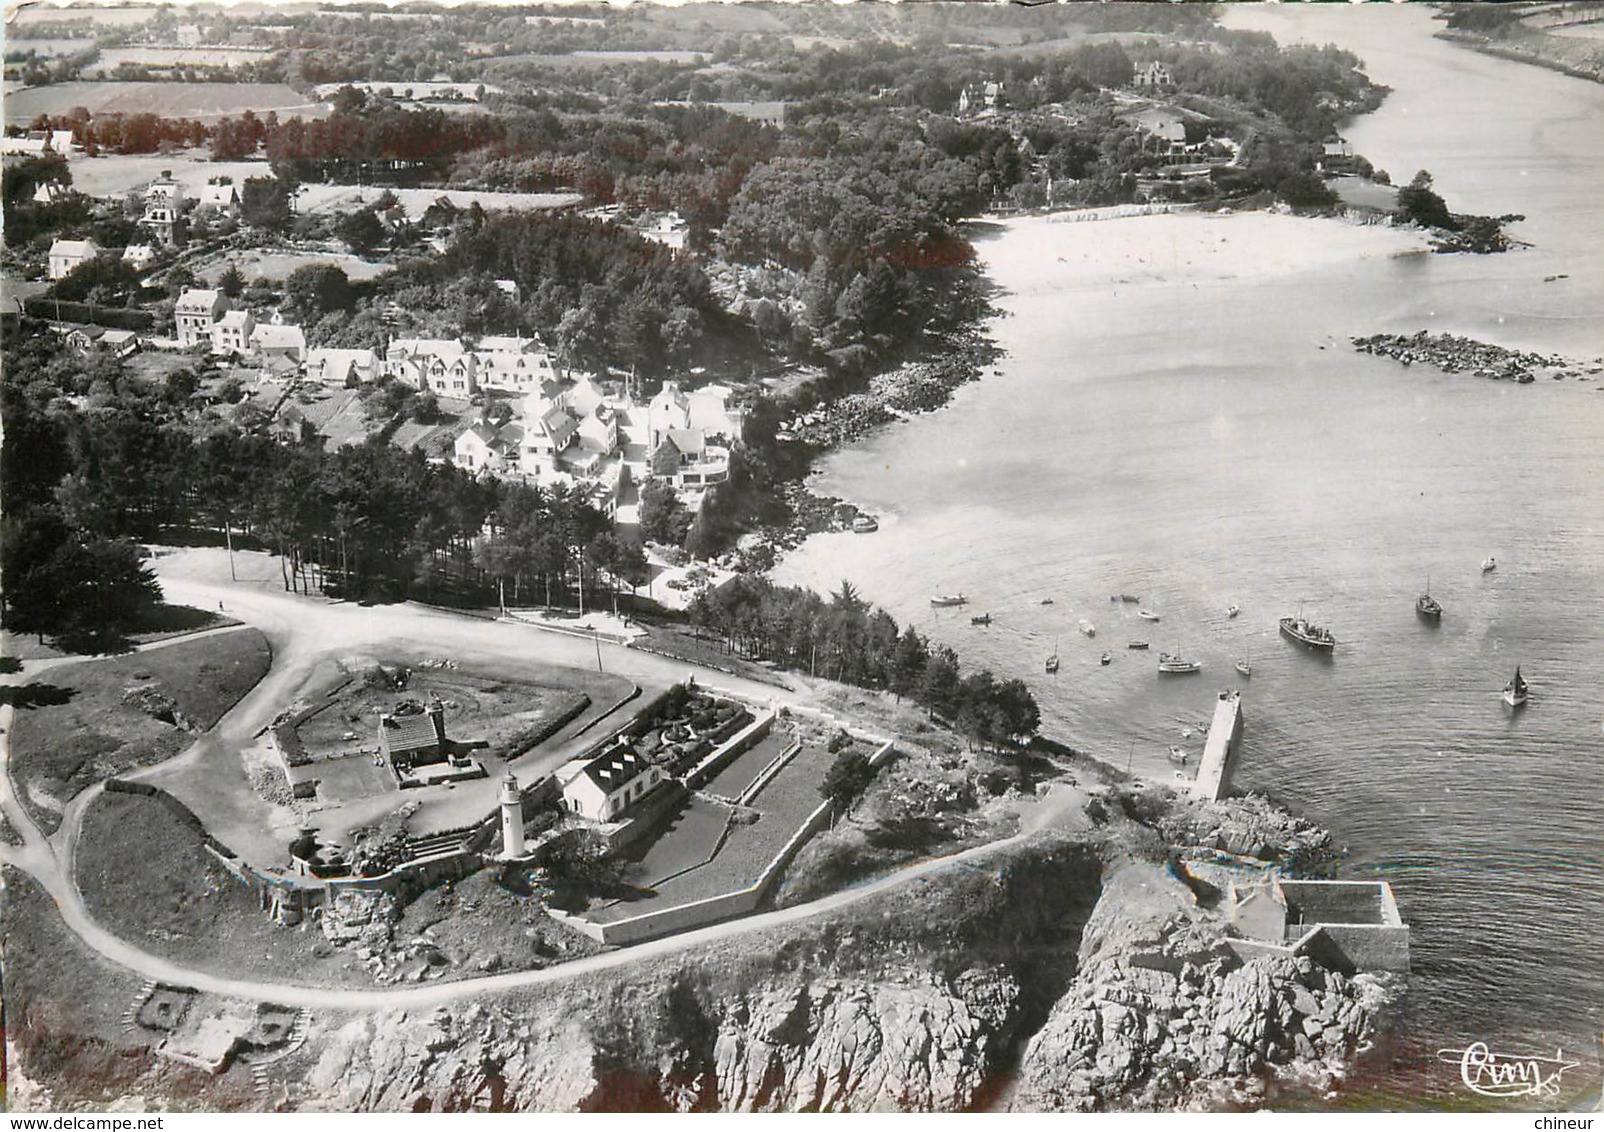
{"x": 231, "y": 334}
{"x": 611, "y": 783}
{"x": 336, "y": 367}
{"x": 65, "y": 255}
{"x": 440, "y": 365}
{"x": 195, "y": 313}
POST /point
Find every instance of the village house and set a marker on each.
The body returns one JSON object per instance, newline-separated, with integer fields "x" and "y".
{"x": 339, "y": 367}
{"x": 513, "y": 365}
{"x": 1154, "y": 74}
{"x": 484, "y": 447}
{"x": 278, "y": 339}
{"x": 39, "y": 143}
{"x": 706, "y": 408}
{"x": 219, "y": 199}
{"x": 413, "y": 738}
{"x": 120, "y": 343}
{"x": 1337, "y": 158}
{"x": 548, "y": 432}
{"x": 195, "y": 313}
{"x": 685, "y": 459}
{"x": 443, "y": 366}
{"x": 610, "y": 783}
{"x": 231, "y": 334}
{"x": 139, "y": 256}
{"x": 65, "y": 255}
{"x": 164, "y": 204}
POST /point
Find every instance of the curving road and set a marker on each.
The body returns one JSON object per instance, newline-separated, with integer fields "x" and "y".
{"x": 303, "y": 630}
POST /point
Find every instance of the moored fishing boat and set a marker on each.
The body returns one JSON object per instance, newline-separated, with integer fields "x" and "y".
{"x": 983, "y": 619}
{"x": 943, "y": 600}
{"x": 1106, "y": 659}
{"x": 1178, "y": 756}
{"x": 1306, "y": 632}
{"x": 1137, "y": 645}
{"x": 1087, "y": 627}
{"x": 1147, "y": 615}
{"x": 1174, "y": 664}
{"x": 1244, "y": 668}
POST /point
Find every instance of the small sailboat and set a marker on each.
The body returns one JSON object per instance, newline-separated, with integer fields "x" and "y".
{"x": 1087, "y": 627}
{"x": 1489, "y": 564}
{"x": 1515, "y": 690}
{"x": 1052, "y": 661}
{"x": 1426, "y": 605}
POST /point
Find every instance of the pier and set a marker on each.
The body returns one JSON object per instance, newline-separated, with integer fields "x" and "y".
{"x": 1219, "y": 753}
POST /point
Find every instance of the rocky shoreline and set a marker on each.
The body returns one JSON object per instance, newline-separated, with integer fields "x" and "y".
{"x": 1452, "y": 353}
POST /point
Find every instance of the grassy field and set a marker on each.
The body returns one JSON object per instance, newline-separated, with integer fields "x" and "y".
{"x": 146, "y": 877}
{"x": 201, "y": 101}
{"x": 257, "y": 263}
{"x": 160, "y": 623}
{"x": 74, "y": 728}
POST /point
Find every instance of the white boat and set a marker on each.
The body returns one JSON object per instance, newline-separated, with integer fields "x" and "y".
{"x": 1088, "y": 628}
{"x": 1232, "y": 611}
{"x": 1489, "y": 564}
{"x": 1244, "y": 668}
{"x": 1178, "y": 756}
{"x": 1106, "y": 659}
{"x": 1145, "y": 615}
{"x": 1515, "y": 690}
{"x": 942, "y": 600}
{"x": 1174, "y": 664}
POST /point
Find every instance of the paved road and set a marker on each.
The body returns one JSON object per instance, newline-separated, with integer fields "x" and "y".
{"x": 303, "y": 630}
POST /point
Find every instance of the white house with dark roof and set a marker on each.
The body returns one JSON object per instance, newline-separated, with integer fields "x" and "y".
{"x": 514, "y": 365}
{"x": 231, "y": 334}
{"x": 610, "y": 783}
{"x": 707, "y": 409}
{"x": 219, "y": 198}
{"x": 484, "y": 447}
{"x": 195, "y": 313}
{"x": 65, "y": 255}
{"x": 164, "y": 204}
{"x": 139, "y": 256}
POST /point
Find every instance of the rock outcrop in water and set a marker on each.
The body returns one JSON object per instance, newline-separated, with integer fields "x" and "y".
{"x": 1163, "y": 1014}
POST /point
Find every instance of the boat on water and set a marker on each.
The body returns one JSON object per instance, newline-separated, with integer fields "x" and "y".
{"x": 1515, "y": 690}
{"x": 1137, "y": 645}
{"x": 1147, "y": 615}
{"x": 1087, "y": 627}
{"x": 983, "y": 619}
{"x": 1306, "y": 632}
{"x": 1129, "y": 598}
{"x": 1244, "y": 668}
{"x": 1427, "y": 606}
{"x": 1047, "y": 601}
{"x": 1489, "y": 564}
{"x": 1106, "y": 659}
{"x": 864, "y": 524}
{"x": 943, "y": 600}
{"x": 1232, "y": 611}
{"x": 1175, "y": 664}
{"x": 1052, "y": 661}
{"x": 1178, "y": 756}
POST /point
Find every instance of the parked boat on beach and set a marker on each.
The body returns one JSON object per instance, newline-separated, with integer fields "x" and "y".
{"x": 1306, "y": 632}
{"x": 944, "y": 600}
{"x": 1515, "y": 691}
{"x": 1087, "y": 627}
{"x": 1174, "y": 664}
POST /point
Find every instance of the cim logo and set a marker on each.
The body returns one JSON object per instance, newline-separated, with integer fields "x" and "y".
{"x": 1492, "y": 1074}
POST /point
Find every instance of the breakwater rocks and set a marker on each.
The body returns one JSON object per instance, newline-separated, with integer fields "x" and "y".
{"x": 1454, "y": 354}
{"x": 917, "y": 387}
{"x": 1164, "y": 1015}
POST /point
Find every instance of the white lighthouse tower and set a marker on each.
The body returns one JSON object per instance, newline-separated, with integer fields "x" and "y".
{"x": 512, "y": 818}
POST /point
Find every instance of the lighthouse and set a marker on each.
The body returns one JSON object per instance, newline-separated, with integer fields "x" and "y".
{"x": 512, "y": 818}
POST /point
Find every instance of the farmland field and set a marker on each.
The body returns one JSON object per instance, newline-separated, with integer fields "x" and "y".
{"x": 113, "y": 57}
{"x": 47, "y": 47}
{"x": 107, "y": 17}
{"x": 259, "y": 264}
{"x": 170, "y": 100}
